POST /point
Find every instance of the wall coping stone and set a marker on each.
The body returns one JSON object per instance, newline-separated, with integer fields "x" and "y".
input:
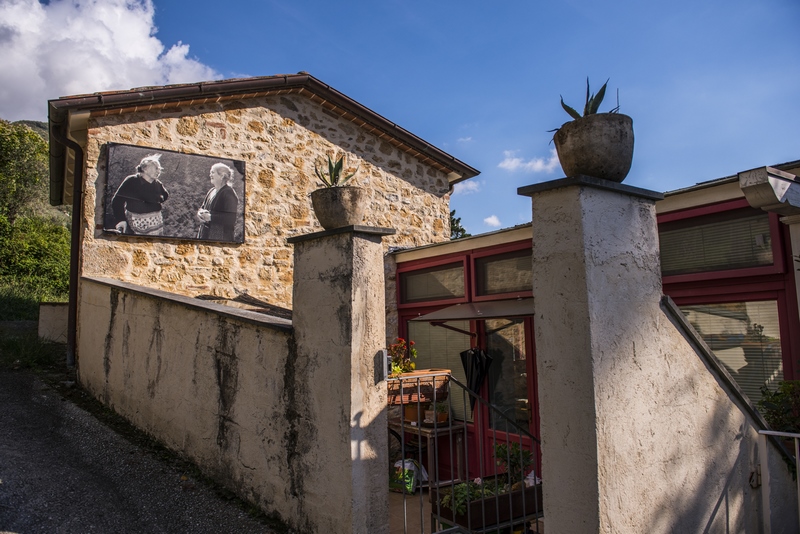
{"x": 255, "y": 318}
{"x": 590, "y": 181}
{"x": 356, "y": 229}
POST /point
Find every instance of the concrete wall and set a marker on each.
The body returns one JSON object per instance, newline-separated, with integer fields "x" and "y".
{"x": 280, "y": 138}
{"x": 639, "y": 433}
{"x": 212, "y": 382}
{"x": 289, "y": 415}
{"x": 340, "y": 333}
{"x": 53, "y": 321}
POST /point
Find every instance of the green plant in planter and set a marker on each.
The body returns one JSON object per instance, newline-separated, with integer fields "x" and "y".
{"x": 512, "y": 458}
{"x": 595, "y": 144}
{"x": 459, "y": 496}
{"x": 592, "y": 103}
{"x": 402, "y": 354}
{"x": 334, "y": 177}
{"x": 441, "y": 407}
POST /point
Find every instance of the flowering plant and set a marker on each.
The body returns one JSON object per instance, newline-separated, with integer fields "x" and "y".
{"x": 511, "y": 458}
{"x": 402, "y": 354}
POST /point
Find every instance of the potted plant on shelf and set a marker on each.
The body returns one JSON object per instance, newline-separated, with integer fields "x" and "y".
{"x": 414, "y": 388}
{"x": 403, "y": 355}
{"x": 335, "y": 204}
{"x": 595, "y": 144}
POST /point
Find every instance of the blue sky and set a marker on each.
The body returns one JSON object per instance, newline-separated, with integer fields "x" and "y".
{"x": 712, "y": 86}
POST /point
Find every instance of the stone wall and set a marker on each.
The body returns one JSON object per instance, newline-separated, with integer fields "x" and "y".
{"x": 280, "y": 138}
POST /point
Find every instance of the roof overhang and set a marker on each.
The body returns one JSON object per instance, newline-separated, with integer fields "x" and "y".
{"x": 470, "y": 311}
{"x": 771, "y": 190}
{"x": 171, "y": 98}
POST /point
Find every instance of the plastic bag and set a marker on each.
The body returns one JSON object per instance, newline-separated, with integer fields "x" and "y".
{"x": 407, "y": 475}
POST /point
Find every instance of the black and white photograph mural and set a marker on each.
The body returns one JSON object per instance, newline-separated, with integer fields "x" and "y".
{"x": 161, "y": 193}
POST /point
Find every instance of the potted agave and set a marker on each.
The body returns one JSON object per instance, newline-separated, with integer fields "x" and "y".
{"x": 335, "y": 204}
{"x": 595, "y": 144}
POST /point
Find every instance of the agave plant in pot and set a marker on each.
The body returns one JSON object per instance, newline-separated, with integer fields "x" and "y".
{"x": 335, "y": 204}
{"x": 595, "y": 144}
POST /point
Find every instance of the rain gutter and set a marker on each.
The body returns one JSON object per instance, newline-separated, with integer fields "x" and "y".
{"x": 57, "y": 131}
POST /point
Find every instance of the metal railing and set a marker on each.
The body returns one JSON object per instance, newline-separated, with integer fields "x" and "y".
{"x": 488, "y": 483}
{"x": 765, "y": 475}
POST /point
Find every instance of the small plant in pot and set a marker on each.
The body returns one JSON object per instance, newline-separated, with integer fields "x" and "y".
{"x": 337, "y": 205}
{"x": 595, "y": 144}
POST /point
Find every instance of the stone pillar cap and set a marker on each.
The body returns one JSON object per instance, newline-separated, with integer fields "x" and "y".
{"x": 590, "y": 181}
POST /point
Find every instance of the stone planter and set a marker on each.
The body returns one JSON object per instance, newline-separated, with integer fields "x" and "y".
{"x": 336, "y": 207}
{"x": 599, "y": 145}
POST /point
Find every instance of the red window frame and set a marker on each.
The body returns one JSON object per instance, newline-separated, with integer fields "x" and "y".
{"x": 778, "y": 260}
{"x": 494, "y": 251}
{"x": 426, "y": 263}
{"x": 772, "y": 282}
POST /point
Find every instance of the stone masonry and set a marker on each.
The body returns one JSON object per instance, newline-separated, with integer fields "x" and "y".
{"x": 281, "y": 138}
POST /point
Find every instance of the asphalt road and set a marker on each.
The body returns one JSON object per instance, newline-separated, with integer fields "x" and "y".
{"x": 63, "y": 471}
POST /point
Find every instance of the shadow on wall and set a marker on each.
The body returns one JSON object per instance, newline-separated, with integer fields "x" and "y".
{"x": 712, "y": 457}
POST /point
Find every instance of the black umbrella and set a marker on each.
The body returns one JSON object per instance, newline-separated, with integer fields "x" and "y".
{"x": 476, "y": 366}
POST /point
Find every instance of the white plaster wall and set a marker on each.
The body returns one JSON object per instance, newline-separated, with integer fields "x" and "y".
{"x": 340, "y": 332}
{"x": 209, "y": 385}
{"x": 638, "y": 435}
{"x": 53, "y": 321}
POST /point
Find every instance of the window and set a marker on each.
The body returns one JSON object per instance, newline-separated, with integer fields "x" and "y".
{"x": 504, "y": 273}
{"x": 440, "y": 348}
{"x": 728, "y": 240}
{"x": 745, "y": 336}
{"x": 435, "y": 283}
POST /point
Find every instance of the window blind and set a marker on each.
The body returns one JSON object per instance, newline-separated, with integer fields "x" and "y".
{"x": 435, "y": 283}
{"x": 504, "y": 273}
{"x": 440, "y": 348}
{"x": 719, "y": 242}
{"x": 745, "y": 336}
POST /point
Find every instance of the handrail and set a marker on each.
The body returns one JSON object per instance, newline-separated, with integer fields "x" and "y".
{"x": 509, "y": 508}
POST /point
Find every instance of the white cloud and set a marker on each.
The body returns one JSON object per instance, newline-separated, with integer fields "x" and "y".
{"x": 492, "y": 221}
{"x": 466, "y": 187}
{"x": 68, "y": 47}
{"x": 512, "y": 163}
{"x": 465, "y": 139}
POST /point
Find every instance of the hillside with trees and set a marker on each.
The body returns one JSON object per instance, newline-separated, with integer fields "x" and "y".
{"x": 34, "y": 236}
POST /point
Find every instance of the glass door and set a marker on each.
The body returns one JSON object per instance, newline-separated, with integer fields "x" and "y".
{"x": 510, "y": 386}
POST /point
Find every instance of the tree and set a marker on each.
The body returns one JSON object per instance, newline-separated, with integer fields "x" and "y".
{"x": 456, "y": 230}
{"x": 23, "y": 170}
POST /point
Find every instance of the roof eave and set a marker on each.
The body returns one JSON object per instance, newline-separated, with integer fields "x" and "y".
{"x": 60, "y": 108}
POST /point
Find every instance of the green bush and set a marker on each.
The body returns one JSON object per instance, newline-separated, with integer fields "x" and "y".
{"x": 781, "y": 408}
{"x": 34, "y": 266}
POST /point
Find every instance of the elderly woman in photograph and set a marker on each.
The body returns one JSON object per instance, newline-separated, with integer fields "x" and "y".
{"x": 136, "y": 205}
{"x": 218, "y": 212}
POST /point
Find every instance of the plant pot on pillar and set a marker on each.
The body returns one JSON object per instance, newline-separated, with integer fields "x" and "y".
{"x": 336, "y": 205}
{"x": 595, "y": 144}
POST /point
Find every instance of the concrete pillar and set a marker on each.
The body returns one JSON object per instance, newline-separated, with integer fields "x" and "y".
{"x": 339, "y": 431}
{"x": 597, "y": 286}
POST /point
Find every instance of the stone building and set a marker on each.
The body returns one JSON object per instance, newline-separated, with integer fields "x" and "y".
{"x": 281, "y": 127}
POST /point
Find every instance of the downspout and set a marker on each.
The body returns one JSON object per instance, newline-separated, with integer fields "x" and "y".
{"x": 77, "y": 216}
